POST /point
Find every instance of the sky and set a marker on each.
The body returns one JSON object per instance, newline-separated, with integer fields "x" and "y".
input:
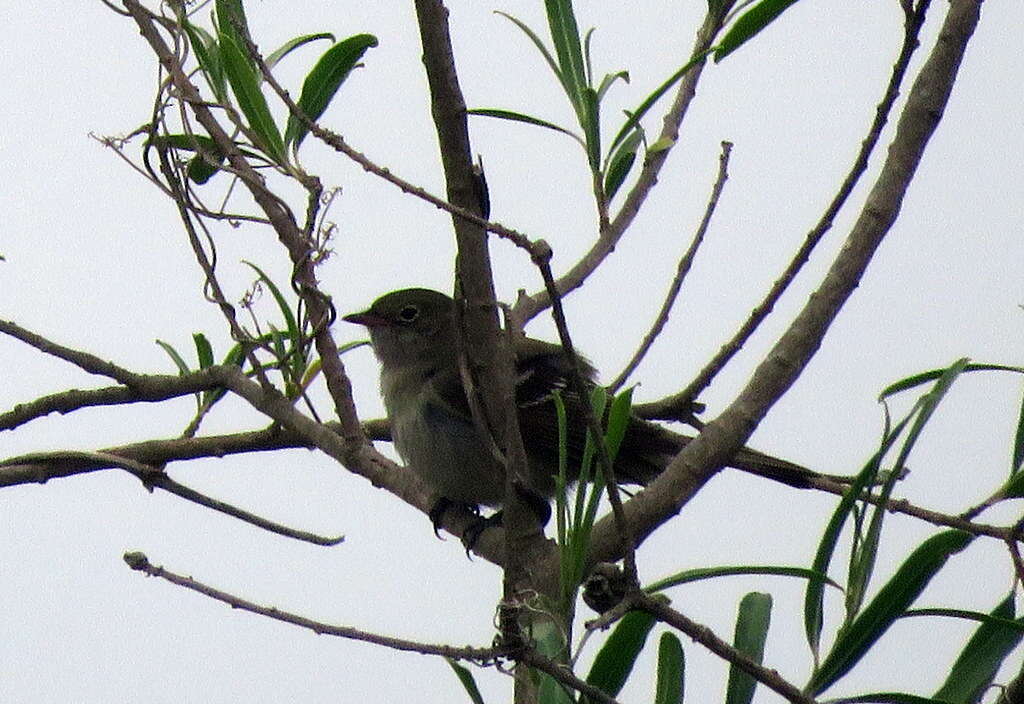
{"x": 95, "y": 258}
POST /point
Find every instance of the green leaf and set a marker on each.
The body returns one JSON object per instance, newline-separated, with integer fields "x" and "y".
{"x": 695, "y": 575}
{"x": 245, "y": 84}
{"x": 288, "y": 47}
{"x": 815, "y": 594}
{"x": 1018, "y": 444}
{"x": 231, "y": 18}
{"x": 468, "y": 683}
{"x": 749, "y": 24}
{"x": 324, "y": 81}
{"x": 292, "y": 327}
{"x": 863, "y": 558}
{"x": 671, "y": 670}
{"x": 620, "y": 163}
{"x": 888, "y": 605}
{"x": 178, "y": 360}
{"x": 615, "y": 661}
{"x": 204, "y": 351}
{"x": 1013, "y": 488}
{"x": 887, "y": 698}
{"x": 537, "y": 43}
{"x": 979, "y": 662}
{"x": 208, "y": 55}
{"x": 565, "y": 35}
{"x": 609, "y": 80}
{"x": 634, "y": 117}
{"x": 528, "y": 119}
{"x": 591, "y": 121}
{"x": 751, "y": 633}
{"x": 933, "y": 374}
{"x": 550, "y": 643}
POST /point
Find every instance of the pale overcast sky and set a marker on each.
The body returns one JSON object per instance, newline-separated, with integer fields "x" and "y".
{"x": 96, "y": 259}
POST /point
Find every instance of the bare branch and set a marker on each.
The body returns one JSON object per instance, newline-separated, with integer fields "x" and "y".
{"x": 82, "y": 360}
{"x": 139, "y": 562}
{"x": 681, "y": 270}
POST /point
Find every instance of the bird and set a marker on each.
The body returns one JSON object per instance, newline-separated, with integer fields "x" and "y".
{"x": 414, "y": 335}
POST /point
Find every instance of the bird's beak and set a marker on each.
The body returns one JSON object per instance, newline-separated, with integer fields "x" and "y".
{"x": 366, "y": 318}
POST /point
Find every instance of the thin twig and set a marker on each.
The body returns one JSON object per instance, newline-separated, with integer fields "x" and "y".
{"x": 681, "y": 270}
{"x": 139, "y": 562}
{"x": 82, "y": 360}
{"x": 152, "y": 477}
{"x": 338, "y": 143}
{"x": 728, "y": 350}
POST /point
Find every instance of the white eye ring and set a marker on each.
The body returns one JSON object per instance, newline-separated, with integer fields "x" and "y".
{"x": 408, "y": 313}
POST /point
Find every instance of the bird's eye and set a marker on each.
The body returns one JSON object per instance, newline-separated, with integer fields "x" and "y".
{"x": 408, "y": 314}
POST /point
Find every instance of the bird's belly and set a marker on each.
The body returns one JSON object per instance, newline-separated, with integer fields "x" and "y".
{"x": 446, "y": 452}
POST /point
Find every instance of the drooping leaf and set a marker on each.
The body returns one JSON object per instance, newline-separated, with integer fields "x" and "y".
{"x": 537, "y": 43}
{"x": 933, "y": 374}
{"x": 888, "y": 605}
{"x": 815, "y": 594}
{"x": 291, "y": 45}
{"x": 698, "y": 574}
{"x": 528, "y": 119}
{"x": 324, "y": 80}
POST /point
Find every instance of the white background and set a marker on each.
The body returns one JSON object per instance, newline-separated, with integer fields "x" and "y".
{"x": 96, "y": 259}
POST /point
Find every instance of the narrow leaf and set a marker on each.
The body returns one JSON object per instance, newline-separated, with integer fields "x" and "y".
{"x": 324, "y": 81}
{"x": 1018, "y": 443}
{"x": 528, "y": 119}
{"x": 933, "y": 374}
{"x": 178, "y": 360}
{"x": 815, "y": 594}
{"x": 615, "y": 661}
{"x": 671, "y": 671}
{"x": 980, "y": 660}
{"x": 467, "y": 680}
{"x": 537, "y": 43}
{"x": 204, "y": 351}
{"x": 620, "y": 163}
{"x": 888, "y": 605}
{"x": 749, "y": 24}
{"x": 565, "y": 35}
{"x": 751, "y": 633}
{"x": 288, "y": 47}
{"x": 609, "y": 79}
{"x": 208, "y": 55}
{"x": 245, "y": 84}
{"x": 695, "y": 575}
{"x": 231, "y": 17}
{"x": 634, "y": 118}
